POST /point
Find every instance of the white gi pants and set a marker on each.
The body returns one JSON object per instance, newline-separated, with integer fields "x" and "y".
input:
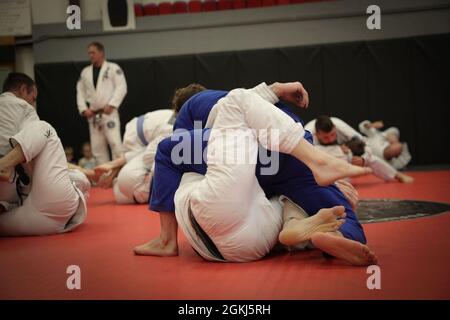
{"x": 133, "y": 182}
{"x": 55, "y": 203}
{"x": 380, "y": 167}
{"x": 228, "y": 202}
{"x": 103, "y": 133}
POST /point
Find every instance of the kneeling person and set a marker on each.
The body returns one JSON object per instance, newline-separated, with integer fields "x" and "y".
{"x": 134, "y": 169}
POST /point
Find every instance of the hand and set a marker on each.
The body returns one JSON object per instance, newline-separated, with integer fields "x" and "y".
{"x": 292, "y": 92}
{"x": 103, "y": 170}
{"x": 345, "y": 149}
{"x": 108, "y": 109}
{"x": 358, "y": 161}
{"x": 90, "y": 174}
{"x": 106, "y": 180}
{"x": 349, "y": 192}
{"x": 88, "y": 113}
{"x": 377, "y": 124}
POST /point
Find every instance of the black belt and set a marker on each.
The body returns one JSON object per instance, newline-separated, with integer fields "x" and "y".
{"x": 20, "y": 177}
{"x": 209, "y": 244}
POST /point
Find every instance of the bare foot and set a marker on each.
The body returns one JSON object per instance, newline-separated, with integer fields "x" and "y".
{"x": 296, "y": 231}
{"x": 325, "y": 168}
{"x": 348, "y": 250}
{"x": 157, "y": 247}
{"x": 403, "y": 178}
{"x": 334, "y": 169}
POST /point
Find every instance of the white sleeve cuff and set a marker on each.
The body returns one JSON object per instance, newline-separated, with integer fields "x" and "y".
{"x": 264, "y": 91}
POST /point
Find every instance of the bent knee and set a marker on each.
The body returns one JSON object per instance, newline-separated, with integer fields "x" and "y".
{"x": 127, "y": 182}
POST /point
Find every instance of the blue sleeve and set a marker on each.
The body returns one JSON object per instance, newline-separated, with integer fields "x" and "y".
{"x": 286, "y": 109}
{"x": 184, "y": 118}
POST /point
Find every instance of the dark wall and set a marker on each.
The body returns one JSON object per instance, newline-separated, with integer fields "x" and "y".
{"x": 403, "y": 82}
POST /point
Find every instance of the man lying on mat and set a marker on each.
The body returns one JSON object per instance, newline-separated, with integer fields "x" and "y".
{"x": 331, "y": 133}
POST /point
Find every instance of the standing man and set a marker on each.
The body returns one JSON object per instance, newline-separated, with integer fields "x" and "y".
{"x": 100, "y": 92}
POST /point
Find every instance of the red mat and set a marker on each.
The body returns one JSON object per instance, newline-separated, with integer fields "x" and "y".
{"x": 414, "y": 258}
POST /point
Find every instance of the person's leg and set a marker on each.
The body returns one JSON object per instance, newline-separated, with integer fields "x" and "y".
{"x": 132, "y": 178}
{"x": 296, "y": 182}
{"x": 119, "y": 196}
{"x": 53, "y": 199}
{"x": 385, "y": 171}
{"x": 98, "y": 142}
{"x": 166, "y": 180}
{"x": 298, "y": 228}
{"x": 229, "y": 204}
{"x": 350, "y": 251}
{"x": 111, "y": 129}
{"x": 271, "y": 123}
{"x": 81, "y": 181}
{"x": 346, "y": 243}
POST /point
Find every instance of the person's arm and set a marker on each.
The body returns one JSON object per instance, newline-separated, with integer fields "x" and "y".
{"x": 370, "y": 128}
{"x": 81, "y": 96}
{"x": 111, "y": 165}
{"x": 345, "y": 129}
{"x": 108, "y": 171}
{"x": 292, "y": 92}
{"x": 120, "y": 90}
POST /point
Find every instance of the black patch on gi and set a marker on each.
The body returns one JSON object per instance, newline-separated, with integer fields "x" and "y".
{"x": 48, "y": 134}
{"x": 111, "y": 124}
{"x": 119, "y": 72}
{"x": 377, "y": 210}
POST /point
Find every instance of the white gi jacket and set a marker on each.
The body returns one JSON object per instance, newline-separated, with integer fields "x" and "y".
{"x": 111, "y": 87}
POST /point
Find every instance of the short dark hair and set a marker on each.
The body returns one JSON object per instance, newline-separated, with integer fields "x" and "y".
{"x": 182, "y": 95}
{"x": 324, "y": 124}
{"x": 98, "y": 45}
{"x": 15, "y": 80}
{"x": 357, "y": 146}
